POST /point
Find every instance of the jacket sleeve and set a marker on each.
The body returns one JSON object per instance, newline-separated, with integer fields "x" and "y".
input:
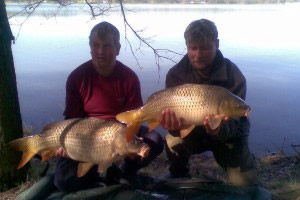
{"x": 234, "y": 128}
{"x": 172, "y": 80}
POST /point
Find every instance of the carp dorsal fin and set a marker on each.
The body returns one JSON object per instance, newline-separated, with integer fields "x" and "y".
{"x": 214, "y": 121}
{"x": 153, "y": 123}
{"x": 185, "y": 132}
{"x": 83, "y": 168}
{"x": 46, "y": 154}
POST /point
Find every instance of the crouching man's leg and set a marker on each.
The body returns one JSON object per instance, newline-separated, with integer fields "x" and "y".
{"x": 66, "y": 180}
{"x": 235, "y": 157}
{"x": 178, "y": 155}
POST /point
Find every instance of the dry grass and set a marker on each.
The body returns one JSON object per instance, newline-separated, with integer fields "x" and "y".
{"x": 12, "y": 193}
{"x": 281, "y": 175}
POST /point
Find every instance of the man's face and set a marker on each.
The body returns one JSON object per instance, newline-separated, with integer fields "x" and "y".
{"x": 104, "y": 52}
{"x": 202, "y": 54}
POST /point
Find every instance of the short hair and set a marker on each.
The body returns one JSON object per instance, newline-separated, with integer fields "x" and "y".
{"x": 201, "y": 30}
{"x": 103, "y": 29}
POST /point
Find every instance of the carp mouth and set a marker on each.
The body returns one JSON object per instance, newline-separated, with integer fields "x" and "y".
{"x": 144, "y": 151}
{"x": 248, "y": 111}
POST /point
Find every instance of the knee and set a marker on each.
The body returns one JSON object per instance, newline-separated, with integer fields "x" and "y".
{"x": 238, "y": 178}
{"x": 61, "y": 183}
{"x": 155, "y": 142}
{"x": 66, "y": 171}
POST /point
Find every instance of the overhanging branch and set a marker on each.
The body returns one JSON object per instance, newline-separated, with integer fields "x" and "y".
{"x": 158, "y": 53}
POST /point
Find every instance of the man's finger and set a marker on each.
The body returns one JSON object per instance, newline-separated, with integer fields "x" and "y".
{"x": 173, "y": 120}
{"x": 167, "y": 119}
{"x": 180, "y": 124}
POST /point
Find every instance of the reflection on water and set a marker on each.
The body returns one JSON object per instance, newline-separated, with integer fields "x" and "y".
{"x": 263, "y": 40}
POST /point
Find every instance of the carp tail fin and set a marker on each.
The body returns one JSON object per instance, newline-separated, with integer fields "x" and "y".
{"x": 26, "y": 145}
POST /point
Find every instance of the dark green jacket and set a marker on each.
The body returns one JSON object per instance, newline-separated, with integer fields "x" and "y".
{"x": 225, "y": 74}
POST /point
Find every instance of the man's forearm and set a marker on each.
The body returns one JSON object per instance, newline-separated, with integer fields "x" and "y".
{"x": 232, "y": 129}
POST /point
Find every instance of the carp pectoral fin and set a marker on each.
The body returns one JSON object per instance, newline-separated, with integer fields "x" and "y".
{"x": 46, "y": 154}
{"x": 185, "y": 132}
{"x": 153, "y": 124}
{"x": 27, "y": 155}
{"x": 83, "y": 168}
{"x": 103, "y": 167}
{"x": 214, "y": 122}
{"x": 131, "y": 130}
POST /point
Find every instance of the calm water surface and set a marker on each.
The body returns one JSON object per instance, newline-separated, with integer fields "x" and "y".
{"x": 263, "y": 40}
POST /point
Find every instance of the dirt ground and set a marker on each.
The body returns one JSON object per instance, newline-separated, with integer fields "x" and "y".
{"x": 277, "y": 173}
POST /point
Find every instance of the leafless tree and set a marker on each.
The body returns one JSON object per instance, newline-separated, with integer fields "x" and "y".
{"x": 96, "y": 9}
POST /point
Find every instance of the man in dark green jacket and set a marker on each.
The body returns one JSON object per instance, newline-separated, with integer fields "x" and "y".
{"x": 205, "y": 64}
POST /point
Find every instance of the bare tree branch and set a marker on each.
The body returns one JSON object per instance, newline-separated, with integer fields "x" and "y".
{"x": 158, "y": 53}
{"x": 100, "y": 9}
{"x": 27, "y": 9}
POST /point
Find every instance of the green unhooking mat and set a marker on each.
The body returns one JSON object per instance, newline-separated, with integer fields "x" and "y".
{"x": 175, "y": 189}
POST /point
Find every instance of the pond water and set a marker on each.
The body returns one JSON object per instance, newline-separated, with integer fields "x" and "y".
{"x": 263, "y": 40}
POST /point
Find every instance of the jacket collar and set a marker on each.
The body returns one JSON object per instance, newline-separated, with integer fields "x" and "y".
{"x": 219, "y": 71}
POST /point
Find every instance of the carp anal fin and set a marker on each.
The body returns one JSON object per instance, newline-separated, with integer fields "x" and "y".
{"x": 103, "y": 166}
{"x": 153, "y": 124}
{"x": 47, "y": 154}
{"x": 185, "y": 132}
{"x": 131, "y": 130}
{"x": 83, "y": 168}
{"x": 214, "y": 122}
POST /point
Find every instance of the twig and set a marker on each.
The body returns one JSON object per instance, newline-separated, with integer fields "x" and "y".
{"x": 282, "y": 146}
{"x": 157, "y": 52}
{"x": 31, "y": 7}
{"x": 295, "y": 149}
{"x": 99, "y": 9}
{"x": 29, "y": 10}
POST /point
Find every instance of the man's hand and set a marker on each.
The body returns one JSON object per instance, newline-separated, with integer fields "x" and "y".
{"x": 61, "y": 153}
{"x": 169, "y": 121}
{"x": 213, "y": 131}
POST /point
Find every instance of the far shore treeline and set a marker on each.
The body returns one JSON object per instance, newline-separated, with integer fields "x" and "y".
{"x": 173, "y": 1}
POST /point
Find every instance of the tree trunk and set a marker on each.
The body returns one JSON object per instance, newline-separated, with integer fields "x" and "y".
{"x": 10, "y": 117}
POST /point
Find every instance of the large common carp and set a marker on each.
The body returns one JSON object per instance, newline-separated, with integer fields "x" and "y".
{"x": 192, "y": 102}
{"x": 89, "y": 140}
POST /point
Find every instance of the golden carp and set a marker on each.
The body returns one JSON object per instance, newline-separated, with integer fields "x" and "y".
{"x": 192, "y": 102}
{"x": 89, "y": 140}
